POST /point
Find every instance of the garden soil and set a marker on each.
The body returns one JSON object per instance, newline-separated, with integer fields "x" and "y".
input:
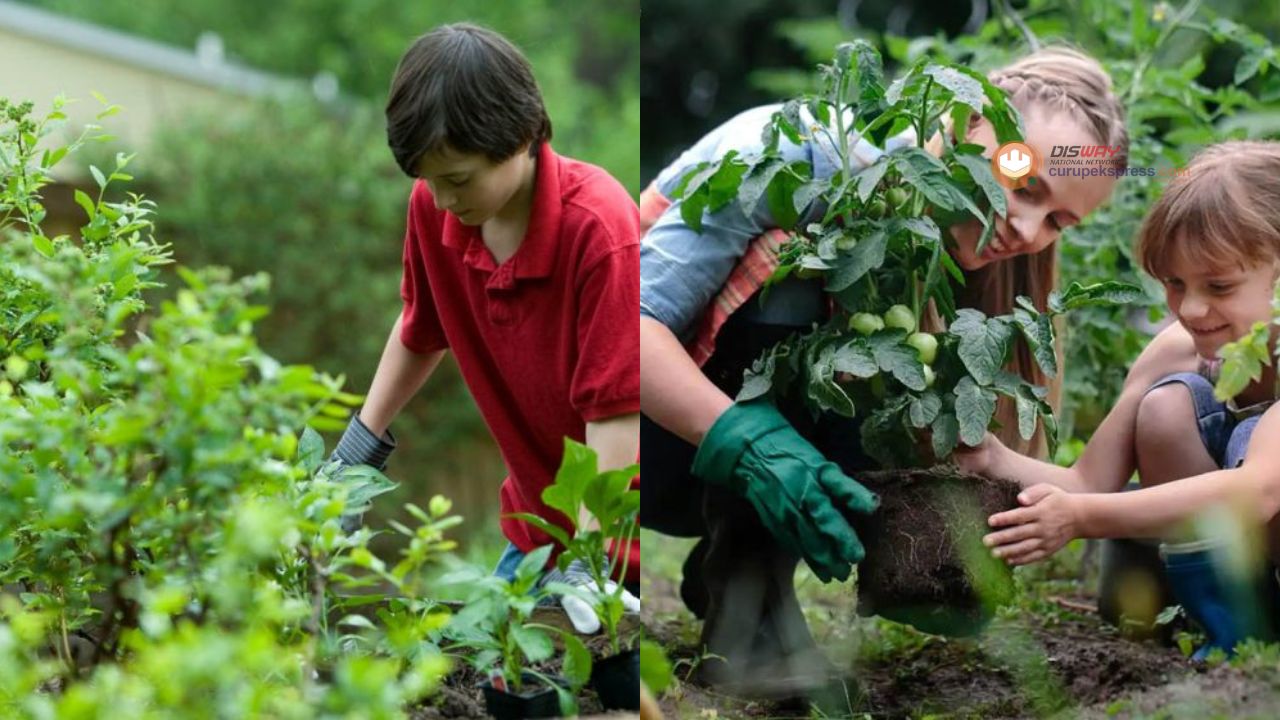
{"x": 925, "y": 562}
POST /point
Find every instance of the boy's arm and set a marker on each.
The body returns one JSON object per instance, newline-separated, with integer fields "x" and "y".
{"x": 616, "y": 441}
{"x": 400, "y": 374}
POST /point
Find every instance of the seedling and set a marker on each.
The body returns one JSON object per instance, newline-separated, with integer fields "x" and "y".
{"x": 609, "y": 498}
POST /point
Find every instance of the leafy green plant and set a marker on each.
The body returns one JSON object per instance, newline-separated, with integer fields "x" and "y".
{"x": 496, "y": 628}
{"x": 615, "y": 506}
{"x": 880, "y": 247}
{"x": 174, "y": 537}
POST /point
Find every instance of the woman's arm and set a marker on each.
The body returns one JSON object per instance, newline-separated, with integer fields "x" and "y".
{"x": 673, "y": 391}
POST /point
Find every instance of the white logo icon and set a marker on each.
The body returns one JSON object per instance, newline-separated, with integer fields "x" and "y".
{"x": 1015, "y": 163}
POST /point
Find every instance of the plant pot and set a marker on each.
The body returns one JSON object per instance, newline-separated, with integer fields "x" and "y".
{"x": 925, "y": 563}
{"x": 531, "y": 704}
{"x": 616, "y": 679}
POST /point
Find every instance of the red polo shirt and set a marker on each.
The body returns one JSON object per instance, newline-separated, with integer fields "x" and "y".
{"x": 548, "y": 340}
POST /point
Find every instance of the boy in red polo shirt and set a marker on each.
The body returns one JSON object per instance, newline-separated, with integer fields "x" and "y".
{"x": 522, "y": 262}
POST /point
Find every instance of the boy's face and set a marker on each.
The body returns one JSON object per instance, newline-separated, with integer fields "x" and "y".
{"x": 470, "y": 186}
{"x": 1218, "y": 305}
{"x": 1038, "y": 212}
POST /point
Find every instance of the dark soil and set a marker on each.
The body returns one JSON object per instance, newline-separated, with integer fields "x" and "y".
{"x": 925, "y": 563}
{"x": 461, "y": 697}
{"x": 1017, "y": 671}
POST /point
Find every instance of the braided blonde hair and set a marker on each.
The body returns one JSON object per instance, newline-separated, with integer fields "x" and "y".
{"x": 1058, "y": 79}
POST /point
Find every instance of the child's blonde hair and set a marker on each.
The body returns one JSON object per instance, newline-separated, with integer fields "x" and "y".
{"x": 1222, "y": 211}
{"x": 1060, "y": 79}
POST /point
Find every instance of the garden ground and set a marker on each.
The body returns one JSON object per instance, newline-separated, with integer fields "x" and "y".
{"x": 1049, "y": 655}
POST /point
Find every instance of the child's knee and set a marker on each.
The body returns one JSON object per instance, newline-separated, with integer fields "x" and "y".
{"x": 1166, "y": 415}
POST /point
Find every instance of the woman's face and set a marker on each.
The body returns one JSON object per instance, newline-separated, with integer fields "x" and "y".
{"x": 1039, "y": 211}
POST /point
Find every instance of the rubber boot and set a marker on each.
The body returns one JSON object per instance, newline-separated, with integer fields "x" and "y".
{"x": 757, "y": 640}
{"x": 1132, "y": 589}
{"x": 693, "y": 588}
{"x": 1228, "y": 608}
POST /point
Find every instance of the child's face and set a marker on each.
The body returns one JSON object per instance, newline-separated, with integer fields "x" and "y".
{"x": 472, "y": 187}
{"x": 1038, "y": 212}
{"x": 1218, "y": 305}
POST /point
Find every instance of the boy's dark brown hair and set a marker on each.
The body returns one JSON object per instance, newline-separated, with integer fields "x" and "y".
{"x": 466, "y": 88}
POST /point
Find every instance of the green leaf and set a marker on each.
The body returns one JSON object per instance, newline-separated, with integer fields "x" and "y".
{"x": 83, "y": 200}
{"x": 866, "y": 255}
{"x": 311, "y": 450}
{"x": 870, "y": 177}
{"x": 924, "y": 409}
{"x": 578, "y": 466}
{"x": 1253, "y": 59}
{"x": 975, "y": 406}
{"x": 1242, "y": 362}
{"x": 1028, "y": 408}
{"x": 964, "y": 88}
{"x": 855, "y": 357}
{"x": 928, "y": 175}
{"x": 781, "y": 193}
{"x": 806, "y": 194}
{"x": 865, "y": 61}
{"x": 823, "y": 390}
{"x": 655, "y": 668}
{"x": 533, "y": 642}
{"x": 759, "y": 379}
{"x": 980, "y": 170}
{"x": 984, "y": 343}
{"x": 97, "y": 176}
{"x": 43, "y": 245}
{"x": 896, "y": 357}
{"x": 576, "y": 667}
{"x": 1037, "y": 328}
{"x": 756, "y": 182}
{"x": 946, "y": 434}
{"x": 1110, "y": 292}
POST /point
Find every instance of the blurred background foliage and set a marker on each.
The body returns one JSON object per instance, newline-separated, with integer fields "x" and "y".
{"x": 308, "y": 192}
{"x": 1190, "y": 73}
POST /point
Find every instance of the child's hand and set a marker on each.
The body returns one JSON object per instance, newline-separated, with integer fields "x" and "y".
{"x": 1045, "y": 523}
{"x": 979, "y": 459}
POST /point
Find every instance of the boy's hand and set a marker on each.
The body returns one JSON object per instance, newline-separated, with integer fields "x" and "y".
{"x": 580, "y": 612}
{"x": 359, "y": 446}
{"x": 800, "y": 496}
{"x": 1047, "y": 521}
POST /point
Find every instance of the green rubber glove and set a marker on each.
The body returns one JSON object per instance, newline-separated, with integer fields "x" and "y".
{"x": 800, "y": 496}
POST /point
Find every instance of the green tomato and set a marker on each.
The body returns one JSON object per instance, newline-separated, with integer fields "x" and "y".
{"x": 926, "y": 345}
{"x": 898, "y": 197}
{"x": 877, "y": 386}
{"x": 929, "y": 377}
{"x": 900, "y": 316}
{"x": 877, "y": 209}
{"x": 866, "y": 323}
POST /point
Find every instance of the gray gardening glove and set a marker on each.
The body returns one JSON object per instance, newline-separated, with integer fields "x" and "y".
{"x": 580, "y": 612}
{"x": 359, "y": 446}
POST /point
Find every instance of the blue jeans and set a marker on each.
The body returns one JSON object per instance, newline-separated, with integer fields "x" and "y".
{"x": 1224, "y": 437}
{"x": 510, "y": 560}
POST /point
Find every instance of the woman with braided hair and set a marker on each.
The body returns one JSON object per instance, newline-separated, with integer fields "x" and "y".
{"x": 703, "y": 323}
